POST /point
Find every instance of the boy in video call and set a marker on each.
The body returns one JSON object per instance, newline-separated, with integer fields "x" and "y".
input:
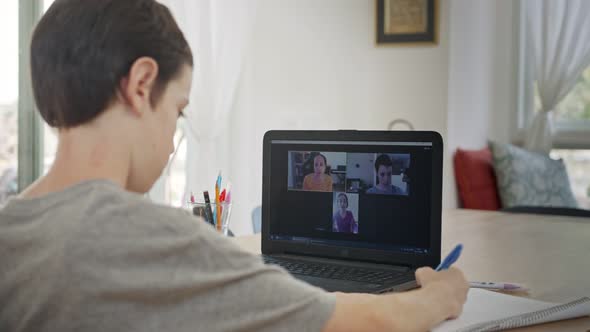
{"x": 384, "y": 169}
{"x": 343, "y": 220}
{"x": 318, "y": 180}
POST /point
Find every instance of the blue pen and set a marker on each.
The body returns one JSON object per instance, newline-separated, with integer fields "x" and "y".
{"x": 451, "y": 258}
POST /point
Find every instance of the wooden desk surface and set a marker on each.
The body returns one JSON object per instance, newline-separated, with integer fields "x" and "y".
{"x": 550, "y": 254}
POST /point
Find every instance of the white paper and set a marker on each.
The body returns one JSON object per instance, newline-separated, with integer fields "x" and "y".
{"x": 484, "y": 306}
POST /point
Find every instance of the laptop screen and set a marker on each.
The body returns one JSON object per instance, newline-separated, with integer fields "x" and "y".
{"x": 355, "y": 194}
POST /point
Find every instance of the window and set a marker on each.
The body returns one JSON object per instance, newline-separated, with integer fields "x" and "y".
{"x": 577, "y": 163}
{"x": 46, "y": 4}
{"x": 573, "y": 112}
{"x": 9, "y": 100}
{"x": 49, "y": 134}
{"x": 571, "y": 117}
{"x": 575, "y": 107}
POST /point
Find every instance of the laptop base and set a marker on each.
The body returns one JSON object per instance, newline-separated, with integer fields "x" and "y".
{"x": 343, "y": 276}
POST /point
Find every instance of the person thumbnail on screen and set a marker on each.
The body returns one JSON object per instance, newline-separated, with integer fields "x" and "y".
{"x": 309, "y": 171}
{"x": 301, "y": 164}
{"x": 319, "y": 179}
{"x": 390, "y": 175}
{"x": 316, "y": 171}
{"x": 345, "y": 212}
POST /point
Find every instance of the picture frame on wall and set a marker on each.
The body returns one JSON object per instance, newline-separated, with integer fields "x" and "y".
{"x": 407, "y": 22}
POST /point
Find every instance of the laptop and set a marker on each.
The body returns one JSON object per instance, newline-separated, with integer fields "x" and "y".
{"x": 352, "y": 211}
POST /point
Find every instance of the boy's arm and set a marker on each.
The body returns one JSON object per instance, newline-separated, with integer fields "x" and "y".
{"x": 441, "y": 297}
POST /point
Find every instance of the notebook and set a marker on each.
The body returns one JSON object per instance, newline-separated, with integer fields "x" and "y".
{"x": 491, "y": 311}
{"x": 352, "y": 211}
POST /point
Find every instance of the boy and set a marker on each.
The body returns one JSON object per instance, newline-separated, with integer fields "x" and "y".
{"x": 82, "y": 249}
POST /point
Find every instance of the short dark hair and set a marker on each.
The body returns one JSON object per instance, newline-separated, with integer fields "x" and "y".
{"x": 80, "y": 51}
{"x": 382, "y": 160}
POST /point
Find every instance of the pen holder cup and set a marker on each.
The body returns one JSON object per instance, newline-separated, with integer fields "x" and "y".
{"x": 219, "y": 217}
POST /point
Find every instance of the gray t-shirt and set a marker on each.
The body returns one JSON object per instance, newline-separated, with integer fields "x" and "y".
{"x": 97, "y": 258}
{"x": 391, "y": 190}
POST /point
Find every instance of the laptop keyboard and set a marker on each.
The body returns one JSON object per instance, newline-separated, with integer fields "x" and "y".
{"x": 334, "y": 271}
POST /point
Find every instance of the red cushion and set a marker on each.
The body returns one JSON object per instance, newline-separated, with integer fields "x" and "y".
{"x": 476, "y": 179}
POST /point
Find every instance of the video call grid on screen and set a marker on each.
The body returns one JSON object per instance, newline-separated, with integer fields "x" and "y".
{"x": 363, "y": 194}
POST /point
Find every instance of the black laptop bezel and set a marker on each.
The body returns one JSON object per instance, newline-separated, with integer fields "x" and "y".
{"x": 412, "y": 260}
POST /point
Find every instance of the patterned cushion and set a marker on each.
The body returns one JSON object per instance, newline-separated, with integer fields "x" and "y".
{"x": 531, "y": 179}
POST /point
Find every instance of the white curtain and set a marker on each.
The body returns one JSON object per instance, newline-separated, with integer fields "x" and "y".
{"x": 559, "y": 40}
{"x": 219, "y": 32}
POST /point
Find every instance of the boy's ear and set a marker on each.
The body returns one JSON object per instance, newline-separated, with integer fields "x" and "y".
{"x": 137, "y": 86}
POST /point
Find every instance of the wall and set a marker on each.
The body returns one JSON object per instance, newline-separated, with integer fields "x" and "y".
{"x": 363, "y": 171}
{"x": 482, "y": 78}
{"x": 314, "y": 65}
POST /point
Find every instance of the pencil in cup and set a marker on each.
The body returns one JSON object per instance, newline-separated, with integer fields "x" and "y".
{"x": 200, "y": 209}
{"x": 218, "y": 216}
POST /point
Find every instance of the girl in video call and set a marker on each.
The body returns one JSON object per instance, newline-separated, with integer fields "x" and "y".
{"x": 343, "y": 220}
{"x": 318, "y": 180}
{"x": 384, "y": 169}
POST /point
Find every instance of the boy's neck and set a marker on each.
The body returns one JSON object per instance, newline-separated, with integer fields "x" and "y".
{"x": 83, "y": 154}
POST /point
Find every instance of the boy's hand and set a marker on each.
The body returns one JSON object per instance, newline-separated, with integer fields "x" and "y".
{"x": 450, "y": 285}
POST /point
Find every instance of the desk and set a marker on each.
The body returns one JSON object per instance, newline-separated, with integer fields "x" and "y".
{"x": 550, "y": 254}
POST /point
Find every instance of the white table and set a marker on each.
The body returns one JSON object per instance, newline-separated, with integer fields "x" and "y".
{"x": 550, "y": 254}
